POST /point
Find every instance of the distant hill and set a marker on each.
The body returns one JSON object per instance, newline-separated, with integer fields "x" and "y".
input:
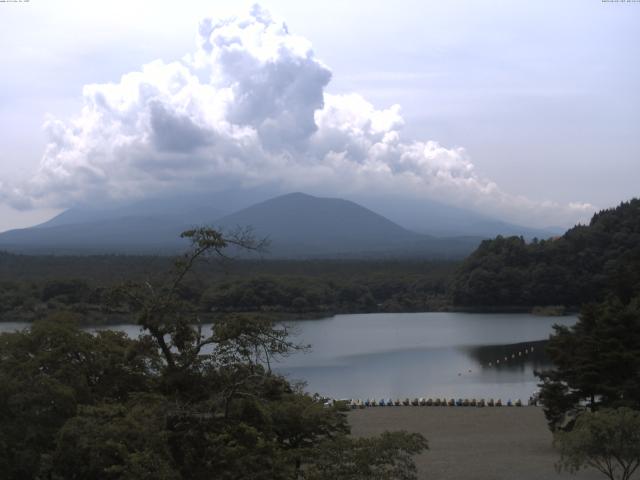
{"x": 303, "y": 225}
{"x": 139, "y": 235}
{"x": 188, "y": 210}
{"x": 583, "y": 265}
{"x": 297, "y": 225}
{"x": 149, "y": 226}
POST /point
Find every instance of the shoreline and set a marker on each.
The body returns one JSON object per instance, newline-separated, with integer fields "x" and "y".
{"x": 114, "y": 319}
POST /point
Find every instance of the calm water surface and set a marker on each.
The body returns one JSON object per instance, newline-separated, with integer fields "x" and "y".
{"x": 415, "y": 354}
{"x": 422, "y": 354}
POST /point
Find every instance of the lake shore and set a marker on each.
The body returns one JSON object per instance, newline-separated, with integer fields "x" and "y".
{"x": 93, "y": 315}
{"x": 473, "y": 443}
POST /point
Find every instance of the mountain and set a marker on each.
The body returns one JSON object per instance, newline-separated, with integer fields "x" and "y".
{"x": 428, "y": 217}
{"x": 132, "y": 234}
{"x": 152, "y": 225}
{"x": 297, "y": 225}
{"x": 191, "y": 209}
{"x": 303, "y": 225}
{"x": 146, "y": 226}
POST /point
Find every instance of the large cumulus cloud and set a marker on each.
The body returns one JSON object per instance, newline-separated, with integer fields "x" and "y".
{"x": 248, "y": 107}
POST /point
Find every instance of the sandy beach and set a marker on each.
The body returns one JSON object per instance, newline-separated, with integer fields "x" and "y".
{"x": 507, "y": 443}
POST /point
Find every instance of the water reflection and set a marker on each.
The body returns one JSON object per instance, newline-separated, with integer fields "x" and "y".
{"x": 517, "y": 356}
{"x": 423, "y": 355}
{"x": 430, "y": 372}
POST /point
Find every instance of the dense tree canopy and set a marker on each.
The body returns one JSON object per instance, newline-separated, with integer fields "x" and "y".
{"x": 607, "y": 440}
{"x": 178, "y": 402}
{"x": 596, "y": 361}
{"x": 583, "y": 265}
{"x": 33, "y": 286}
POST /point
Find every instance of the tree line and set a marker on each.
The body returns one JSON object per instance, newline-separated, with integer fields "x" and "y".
{"x": 312, "y": 288}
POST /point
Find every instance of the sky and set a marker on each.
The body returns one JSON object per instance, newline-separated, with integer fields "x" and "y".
{"x": 527, "y": 111}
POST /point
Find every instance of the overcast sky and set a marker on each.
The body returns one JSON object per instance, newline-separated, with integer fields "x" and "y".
{"x": 525, "y": 110}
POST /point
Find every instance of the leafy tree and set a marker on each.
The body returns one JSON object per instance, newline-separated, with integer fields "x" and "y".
{"x": 51, "y": 369}
{"x": 388, "y": 457}
{"x": 299, "y": 421}
{"x": 597, "y": 361}
{"x": 607, "y": 440}
{"x": 178, "y": 402}
{"x": 73, "y": 291}
{"x": 116, "y": 441}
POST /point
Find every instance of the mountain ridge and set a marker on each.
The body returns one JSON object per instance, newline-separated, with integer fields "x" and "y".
{"x": 299, "y": 225}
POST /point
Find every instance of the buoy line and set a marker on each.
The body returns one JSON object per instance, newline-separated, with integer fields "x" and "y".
{"x": 428, "y": 402}
{"x": 514, "y": 356}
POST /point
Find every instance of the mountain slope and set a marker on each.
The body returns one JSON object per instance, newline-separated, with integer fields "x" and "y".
{"x": 324, "y": 223}
{"x": 434, "y": 218}
{"x": 186, "y": 210}
{"x": 118, "y": 235}
{"x": 145, "y": 226}
{"x": 297, "y": 225}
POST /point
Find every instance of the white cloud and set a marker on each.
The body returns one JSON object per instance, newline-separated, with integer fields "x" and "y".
{"x": 249, "y": 107}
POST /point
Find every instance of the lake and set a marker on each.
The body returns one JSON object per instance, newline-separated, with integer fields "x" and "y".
{"x": 434, "y": 354}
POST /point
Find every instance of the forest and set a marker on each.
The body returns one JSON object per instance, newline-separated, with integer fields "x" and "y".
{"x": 33, "y": 285}
{"x": 178, "y": 402}
{"x": 585, "y": 264}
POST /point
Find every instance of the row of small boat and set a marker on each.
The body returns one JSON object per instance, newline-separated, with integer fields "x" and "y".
{"x": 437, "y": 402}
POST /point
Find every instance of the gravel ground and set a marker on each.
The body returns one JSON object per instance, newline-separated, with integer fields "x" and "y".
{"x": 508, "y": 443}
